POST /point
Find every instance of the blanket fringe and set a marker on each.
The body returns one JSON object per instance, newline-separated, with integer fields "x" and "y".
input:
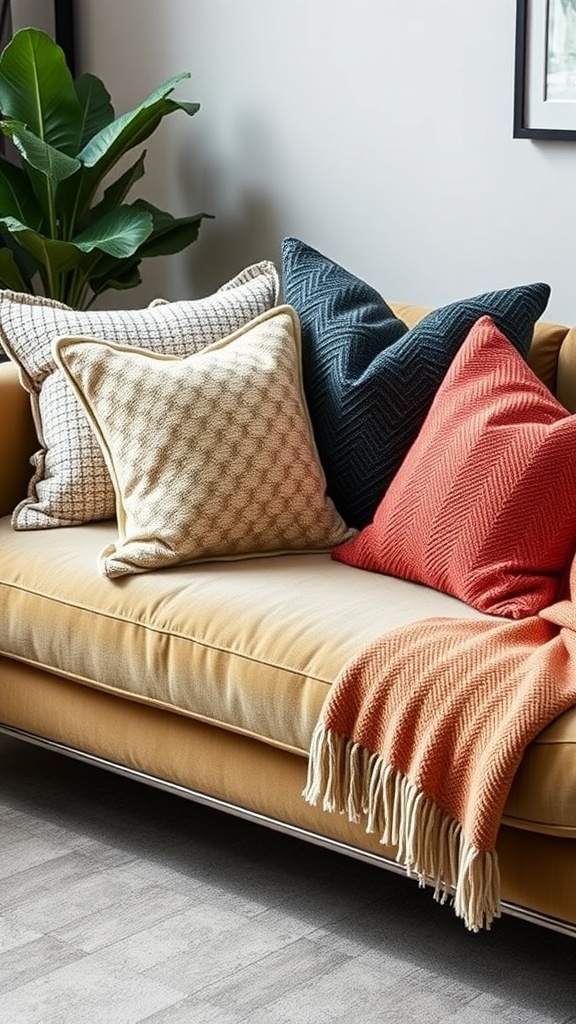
{"x": 349, "y": 780}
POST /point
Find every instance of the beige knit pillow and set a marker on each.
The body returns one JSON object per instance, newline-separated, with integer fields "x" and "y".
{"x": 211, "y": 456}
{"x": 71, "y": 484}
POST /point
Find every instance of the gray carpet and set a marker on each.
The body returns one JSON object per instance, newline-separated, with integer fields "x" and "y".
{"x": 121, "y": 904}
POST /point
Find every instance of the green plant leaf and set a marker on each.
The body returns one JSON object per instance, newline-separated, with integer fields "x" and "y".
{"x": 118, "y": 233}
{"x": 36, "y": 89}
{"x": 128, "y": 130}
{"x": 187, "y": 107}
{"x": 110, "y": 144}
{"x": 119, "y": 189}
{"x": 10, "y": 276}
{"x": 51, "y": 253}
{"x": 17, "y": 197}
{"x": 126, "y": 276}
{"x": 169, "y": 234}
{"x": 97, "y": 109}
{"x": 39, "y": 154}
{"x": 113, "y": 196}
{"x": 27, "y": 264}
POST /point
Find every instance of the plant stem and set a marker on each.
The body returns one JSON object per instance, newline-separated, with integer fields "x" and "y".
{"x": 51, "y": 208}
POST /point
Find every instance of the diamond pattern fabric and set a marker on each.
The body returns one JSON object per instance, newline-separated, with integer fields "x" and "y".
{"x": 211, "y": 456}
{"x": 370, "y": 381}
{"x": 71, "y": 484}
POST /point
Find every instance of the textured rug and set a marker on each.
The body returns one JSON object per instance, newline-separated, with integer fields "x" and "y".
{"x": 421, "y": 735}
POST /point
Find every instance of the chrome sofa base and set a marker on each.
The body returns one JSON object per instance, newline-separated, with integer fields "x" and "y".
{"x": 378, "y": 860}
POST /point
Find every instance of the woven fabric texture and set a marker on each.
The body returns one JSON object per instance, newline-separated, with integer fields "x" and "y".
{"x": 71, "y": 484}
{"x": 369, "y": 380}
{"x": 423, "y": 732}
{"x": 483, "y": 506}
{"x": 211, "y": 456}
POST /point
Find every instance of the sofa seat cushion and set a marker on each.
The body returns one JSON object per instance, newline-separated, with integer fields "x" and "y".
{"x": 251, "y": 645}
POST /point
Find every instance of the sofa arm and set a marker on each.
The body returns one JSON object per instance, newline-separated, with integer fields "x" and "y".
{"x": 17, "y": 439}
{"x": 544, "y": 351}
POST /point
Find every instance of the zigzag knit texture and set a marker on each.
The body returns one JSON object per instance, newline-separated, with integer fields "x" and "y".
{"x": 369, "y": 381}
{"x": 484, "y": 504}
{"x": 422, "y": 733}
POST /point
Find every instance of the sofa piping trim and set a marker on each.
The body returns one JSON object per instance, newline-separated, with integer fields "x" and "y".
{"x": 162, "y": 632}
{"x": 116, "y": 691}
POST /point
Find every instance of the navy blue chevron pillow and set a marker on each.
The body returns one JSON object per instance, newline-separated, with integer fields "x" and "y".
{"x": 369, "y": 380}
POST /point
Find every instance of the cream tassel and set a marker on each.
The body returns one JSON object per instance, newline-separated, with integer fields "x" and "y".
{"x": 349, "y": 780}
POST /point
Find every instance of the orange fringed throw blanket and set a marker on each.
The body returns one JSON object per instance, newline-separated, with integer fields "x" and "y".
{"x": 423, "y": 731}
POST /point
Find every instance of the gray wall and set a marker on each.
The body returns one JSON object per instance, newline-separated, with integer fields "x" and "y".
{"x": 380, "y": 131}
{"x": 39, "y": 13}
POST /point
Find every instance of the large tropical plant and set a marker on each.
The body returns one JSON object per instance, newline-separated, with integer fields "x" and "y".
{"x": 66, "y": 229}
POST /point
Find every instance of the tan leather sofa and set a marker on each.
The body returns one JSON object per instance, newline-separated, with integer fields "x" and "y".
{"x": 208, "y": 680}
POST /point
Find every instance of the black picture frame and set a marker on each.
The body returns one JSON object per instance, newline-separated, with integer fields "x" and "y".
{"x": 64, "y": 30}
{"x": 535, "y": 115}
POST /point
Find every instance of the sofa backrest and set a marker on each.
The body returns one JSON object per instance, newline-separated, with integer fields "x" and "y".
{"x": 17, "y": 438}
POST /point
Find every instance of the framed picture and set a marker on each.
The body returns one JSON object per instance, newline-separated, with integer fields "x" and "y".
{"x": 64, "y": 29}
{"x": 545, "y": 70}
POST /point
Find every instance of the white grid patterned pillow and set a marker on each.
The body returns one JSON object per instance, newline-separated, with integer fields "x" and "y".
{"x": 211, "y": 456}
{"x": 71, "y": 484}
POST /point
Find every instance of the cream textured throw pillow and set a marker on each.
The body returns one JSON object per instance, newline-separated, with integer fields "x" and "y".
{"x": 71, "y": 484}
{"x": 211, "y": 456}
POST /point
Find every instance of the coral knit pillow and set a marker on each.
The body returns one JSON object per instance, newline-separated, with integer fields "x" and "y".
{"x": 484, "y": 504}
